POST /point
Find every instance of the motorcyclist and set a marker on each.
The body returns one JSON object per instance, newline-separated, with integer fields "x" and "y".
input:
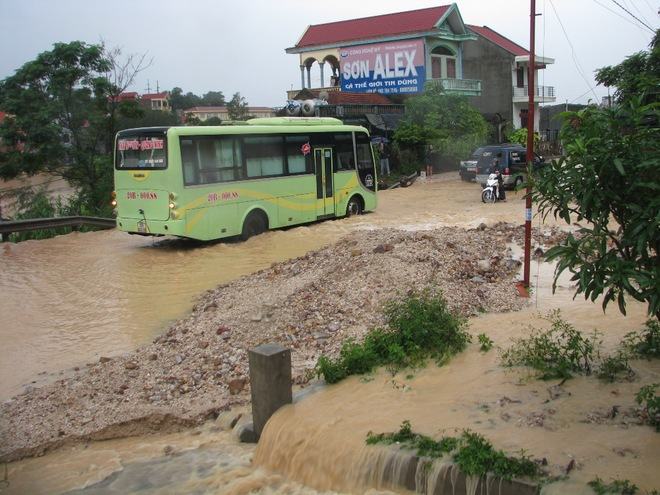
{"x": 495, "y": 169}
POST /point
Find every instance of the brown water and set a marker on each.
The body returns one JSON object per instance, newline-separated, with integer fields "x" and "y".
{"x": 73, "y": 298}
{"x": 69, "y": 300}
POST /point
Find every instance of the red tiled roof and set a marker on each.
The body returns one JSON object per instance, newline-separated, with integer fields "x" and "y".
{"x": 378, "y": 26}
{"x": 499, "y": 40}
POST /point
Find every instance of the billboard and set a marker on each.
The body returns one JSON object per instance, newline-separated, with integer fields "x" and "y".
{"x": 395, "y": 67}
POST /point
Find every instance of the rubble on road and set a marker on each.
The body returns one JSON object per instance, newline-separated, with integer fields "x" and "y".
{"x": 311, "y": 304}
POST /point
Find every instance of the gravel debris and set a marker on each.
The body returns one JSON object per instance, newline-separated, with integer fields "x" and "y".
{"x": 311, "y": 304}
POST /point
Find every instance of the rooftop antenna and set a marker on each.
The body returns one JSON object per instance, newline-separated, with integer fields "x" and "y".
{"x": 157, "y": 87}
{"x": 148, "y": 88}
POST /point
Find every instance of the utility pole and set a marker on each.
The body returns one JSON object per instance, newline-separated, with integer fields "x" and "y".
{"x": 530, "y": 141}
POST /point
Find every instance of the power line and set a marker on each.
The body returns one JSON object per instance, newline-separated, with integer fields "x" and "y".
{"x": 620, "y": 16}
{"x": 634, "y": 16}
{"x": 573, "y": 55}
{"x": 639, "y": 11}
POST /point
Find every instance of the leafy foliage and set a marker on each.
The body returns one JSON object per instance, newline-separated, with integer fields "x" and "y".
{"x": 420, "y": 327}
{"x": 473, "y": 454}
{"x": 615, "y": 367}
{"x": 447, "y": 122}
{"x": 485, "y": 342}
{"x": 619, "y": 487}
{"x": 237, "y": 107}
{"x": 644, "y": 343}
{"x": 555, "y": 353}
{"x": 650, "y": 401}
{"x": 520, "y": 136}
{"x": 638, "y": 75}
{"x": 609, "y": 179}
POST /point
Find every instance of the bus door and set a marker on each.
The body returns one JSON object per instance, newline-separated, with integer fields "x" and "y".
{"x": 325, "y": 202}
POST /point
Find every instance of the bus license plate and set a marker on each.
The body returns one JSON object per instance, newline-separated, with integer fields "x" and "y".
{"x": 142, "y": 227}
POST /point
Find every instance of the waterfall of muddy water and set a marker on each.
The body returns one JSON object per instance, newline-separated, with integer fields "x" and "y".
{"x": 320, "y": 441}
{"x": 68, "y": 300}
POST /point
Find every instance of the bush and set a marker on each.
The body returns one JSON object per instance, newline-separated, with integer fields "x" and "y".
{"x": 555, "y": 353}
{"x": 473, "y": 454}
{"x": 485, "y": 342}
{"x": 616, "y": 367}
{"x": 647, "y": 398}
{"x": 420, "y": 327}
{"x": 644, "y": 343}
{"x": 619, "y": 487}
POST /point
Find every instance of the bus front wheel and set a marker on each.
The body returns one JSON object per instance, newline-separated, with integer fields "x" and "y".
{"x": 354, "y": 207}
{"x": 254, "y": 224}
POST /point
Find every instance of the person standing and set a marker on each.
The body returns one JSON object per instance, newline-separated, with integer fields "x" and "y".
{"x": 384, "y": 160}
{"x": 429, "y": 162}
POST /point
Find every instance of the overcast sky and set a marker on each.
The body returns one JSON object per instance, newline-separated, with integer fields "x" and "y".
{"x": 231, "y": 46}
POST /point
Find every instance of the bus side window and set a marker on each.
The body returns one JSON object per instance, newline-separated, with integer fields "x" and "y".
{"x": 264, "y": 156}
{"x": 299, "y": 155}
{"x": 189, "y": 161}
{"x": 344, "y": 151}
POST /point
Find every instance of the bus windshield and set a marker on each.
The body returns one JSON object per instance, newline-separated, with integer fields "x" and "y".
{"x": 141, "y": 151}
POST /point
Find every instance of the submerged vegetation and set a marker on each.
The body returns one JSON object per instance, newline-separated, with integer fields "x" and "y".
{"x": 473, "y": 454}
{"x": 650, "y": 402}
{"x": 619, "y": 487}
{"x": 562, "y": 351}
{"x": 420, "y": 327}
{"x": 555, "y": 353}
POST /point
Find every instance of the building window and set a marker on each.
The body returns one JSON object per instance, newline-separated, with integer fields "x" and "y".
{"x": 520, "y": 77}
{"x": 443, "y": 63}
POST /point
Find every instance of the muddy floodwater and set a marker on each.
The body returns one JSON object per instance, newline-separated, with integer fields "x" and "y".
{"x": 68, "y": 300}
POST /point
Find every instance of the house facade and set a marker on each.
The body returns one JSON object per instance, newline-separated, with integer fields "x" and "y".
{"x": 401, "y": 54}
{"x": 504, "y": 65}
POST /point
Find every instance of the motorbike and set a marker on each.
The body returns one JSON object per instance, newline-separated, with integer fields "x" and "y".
{"x": 490, "y": 192}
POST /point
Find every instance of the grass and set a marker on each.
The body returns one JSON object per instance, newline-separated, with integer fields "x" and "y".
{"x": 420, "y": 327}
{"x": 473, "y": 454}
{"x": 558, "y": 352}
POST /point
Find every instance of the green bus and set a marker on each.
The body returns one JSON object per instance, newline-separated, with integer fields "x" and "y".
{"x": 239, "y": 180}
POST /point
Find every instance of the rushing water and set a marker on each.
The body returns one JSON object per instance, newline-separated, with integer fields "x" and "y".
{"x": 68, "y": 300}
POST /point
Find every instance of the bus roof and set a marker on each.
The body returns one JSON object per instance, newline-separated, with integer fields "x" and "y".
{"x": 255, "y": 126}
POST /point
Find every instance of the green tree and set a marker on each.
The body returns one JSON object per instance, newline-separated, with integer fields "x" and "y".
{"x": 447, "y": 122}
{"x": 608, "y": 182}
{"x": 637, "y": 75}
{"x": 58, "y": 116}
{"x": 237, "y": 107}
{"x": 213, "y": 99}
{"x": 179, "y": 101}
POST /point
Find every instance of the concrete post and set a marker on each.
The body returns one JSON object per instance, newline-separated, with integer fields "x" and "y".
{"x": 302, "y": 77}
{"x": 270, "y": 382}
{"x": 321, "y": 64}
{"x": 309, "y": 76}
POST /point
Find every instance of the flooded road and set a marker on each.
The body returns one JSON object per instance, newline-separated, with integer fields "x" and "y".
{"x": 317, "y": 446}
{"x": 67, "y": 301}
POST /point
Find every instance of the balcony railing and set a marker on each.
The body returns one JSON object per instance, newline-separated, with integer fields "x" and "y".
{"x": 470, "y": 87}
{"x": 544, "y": 92}
{"x": 351, "y": 110}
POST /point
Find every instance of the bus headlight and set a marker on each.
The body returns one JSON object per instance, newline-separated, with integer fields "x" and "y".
{"x": 113, "y": 203}
{"x": 172, "y": 196}
{"x": 172, "y": 205}
{"x": 174, "y": 214}
{"x": 113, "y": 195}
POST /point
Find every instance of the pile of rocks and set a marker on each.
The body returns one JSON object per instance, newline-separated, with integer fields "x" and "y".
{"x": 311, "y": 304}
